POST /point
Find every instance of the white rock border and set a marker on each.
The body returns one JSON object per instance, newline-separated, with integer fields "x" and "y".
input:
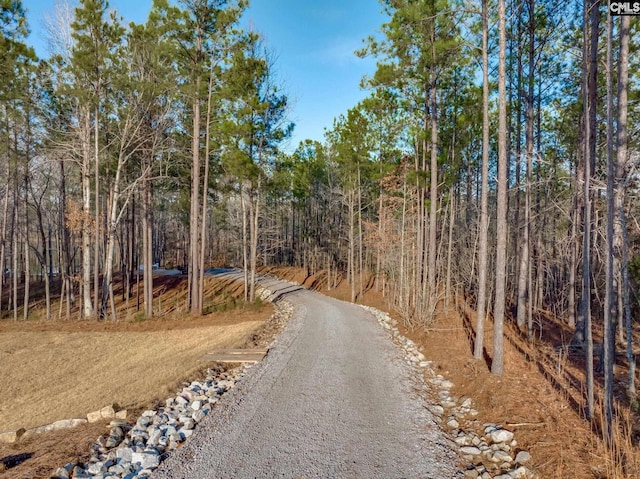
{"x": 495, "y": 447}
{"x": 135, "y": 451}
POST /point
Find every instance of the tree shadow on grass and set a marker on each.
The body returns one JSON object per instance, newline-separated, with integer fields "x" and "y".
{"x": 471, "y": 338}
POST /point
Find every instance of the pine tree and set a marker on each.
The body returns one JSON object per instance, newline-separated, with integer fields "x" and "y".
{"x": 497, "y": 364}
{"x": 255, "y": 126}
{"x": 96, "y": 38}
{"x": 198, "y": 30}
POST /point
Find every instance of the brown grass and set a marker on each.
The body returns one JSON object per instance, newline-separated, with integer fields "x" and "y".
{"x": 55, "y": 375}
{"x": 51, "y": 370}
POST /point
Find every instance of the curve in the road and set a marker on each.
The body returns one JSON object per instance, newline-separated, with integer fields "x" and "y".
{"x": 333, "y": 399}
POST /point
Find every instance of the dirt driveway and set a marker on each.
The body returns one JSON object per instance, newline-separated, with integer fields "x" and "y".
{"x": 332, "y": 399}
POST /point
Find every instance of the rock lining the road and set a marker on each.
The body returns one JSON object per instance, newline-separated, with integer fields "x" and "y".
{"x": 334, "y": 398}
{"x": 131, "y": 451}
{"x": 492, "y": 454}
{"x": 107, "y": 412}
{"x": 135, "y": 451}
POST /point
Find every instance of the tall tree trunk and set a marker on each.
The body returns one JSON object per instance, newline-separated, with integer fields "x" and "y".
{"x": 46, "y": 255}
{"x": 147, "y": 241}
{"x": 497, "y": 364}
{"x": 87, "y": 305}
{"x": 96, "y": 245}
{"x": 403, "y": 228}
{"x": 14, "y": 253}
{"x": 205, "y": 186}
{"x": 518, "y": 145}
{"x": 484, "y": 193}
{"x": 381, "y": 233}
{"x": 27, "y": 253}
{"x": 433, "y": 193}
{"x": 351, "y": 265}
{"x": 620, "y": 226}
{"x": 194, "y": 230}
{"x": 452, "y": 215}
{"x": 3, "y": 232}
{"x": 360, "y": 239}
{"x": 128, "y": 272}
{"x": 112, "y": 228}
{"x": 245, "y": 242}
{"x": 254, "y": 214}
{"x": 432, "y": 286}
{"x": 109, "y": 253}
{"x": 592, "y": 16}
{"x": 573, "y": 262}
{"x": 524, "y": 286}
{"x": 611, "y": 302}
{"x": 65, "y": 266}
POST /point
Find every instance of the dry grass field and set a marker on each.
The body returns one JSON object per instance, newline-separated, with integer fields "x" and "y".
{"x": 61, "y": 369}
{"x": 52, "y": 375}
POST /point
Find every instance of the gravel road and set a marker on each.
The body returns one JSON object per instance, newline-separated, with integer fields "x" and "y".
{"x": 332, "y": 399}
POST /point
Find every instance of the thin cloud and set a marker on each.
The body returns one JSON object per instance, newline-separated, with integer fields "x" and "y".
{"x": 340, "y": 52}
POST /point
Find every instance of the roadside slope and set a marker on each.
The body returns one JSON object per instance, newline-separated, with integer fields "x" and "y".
{"x": 333, "y": 398}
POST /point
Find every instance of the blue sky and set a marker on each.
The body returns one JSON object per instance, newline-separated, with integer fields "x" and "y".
{"x": 313, "y": 41}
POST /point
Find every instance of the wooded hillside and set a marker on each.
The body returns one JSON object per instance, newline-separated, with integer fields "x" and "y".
{"x": 495, "y": 159}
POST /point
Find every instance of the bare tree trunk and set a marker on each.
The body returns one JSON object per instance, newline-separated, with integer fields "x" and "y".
{"x": 112, "y": 225}
{"x": 420, "y": 262}
{"x": 402, "y": 282}
{"x": 351, "y": 266}
{"x": 449, "y": 248}
{"x": 147, "y": 240}
{"x": 611, "y": 302}
{"x": 433, "y": 196}
{"x": 87, "y": 305}
{"x": 360, "y": 254}
{"x": 497, "y": 364}
{"x": 573, "y": 264}
{"x": 591, "y": 41}
{"x": 14, "y": 254}
{"x": 48, "y": 277}
{"x": 3, "y": 239}
{"x": 96, "y": 244}
{"x": 524, "y": 285}
{"x": 27, "y": 256}
{"x": 381, "y": 232}
{"x": 254, "y": 214}
{"x": 620, "y": 224}
{"x": 46, "y": 252}
{"x": 205, "y": 187}
{"x": 65, "y": 267}
{"x": 111, "y": 239}
{"x": 245, "y": 247}
{"x": 484, "y": 200}
{"x": 194, "y": 229}
{"x": 128, "y": 247}
{"x": 518, "y": 8}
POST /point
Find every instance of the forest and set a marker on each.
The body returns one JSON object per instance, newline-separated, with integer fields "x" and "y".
{"x": 494, "y": 161}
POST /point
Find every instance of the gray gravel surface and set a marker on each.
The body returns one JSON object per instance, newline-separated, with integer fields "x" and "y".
{"x": 332, "y": 399}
